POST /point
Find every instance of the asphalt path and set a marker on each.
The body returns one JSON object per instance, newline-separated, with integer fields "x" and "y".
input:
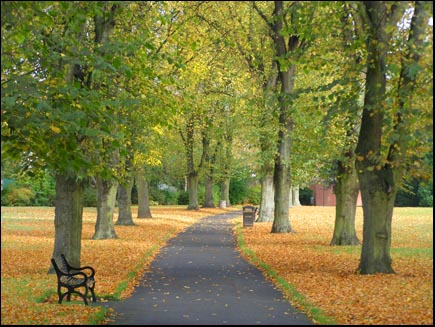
{"x": 199, "y": 278}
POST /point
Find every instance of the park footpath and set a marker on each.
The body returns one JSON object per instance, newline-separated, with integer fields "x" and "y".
{"x": 199, "y": 278}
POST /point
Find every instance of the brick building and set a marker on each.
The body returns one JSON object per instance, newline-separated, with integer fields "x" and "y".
{"x": 324, "y": 196}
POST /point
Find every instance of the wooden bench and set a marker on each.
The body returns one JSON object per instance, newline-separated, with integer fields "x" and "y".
{"x": 73, "y": 278}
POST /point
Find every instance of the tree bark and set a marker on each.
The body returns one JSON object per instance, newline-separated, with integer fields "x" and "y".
{"x": 106, "y": 198}
{"x": 295, "y": 196}
{"x": 378, "y": 195}
{"x": 143, "y": 210}
{"x": 267, "y": 204}
{"x": 208, "y": 200}
{"x": 346, "y": 193}
{"x": 192, "y": 187}
{"x": 125, "y": 216}
{"x": 225, "y": 192}
{"x": 208, "y": 162}
{"x": 68, "y": 219}
{"x": 192, "y": 173}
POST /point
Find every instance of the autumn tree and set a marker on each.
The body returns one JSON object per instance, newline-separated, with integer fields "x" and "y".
{"x": 290, "y": 37}
{"x": 342, "y": 121}
{"x": 381, "y": 161}
{"x": 255, "y": 49}
{"x": 49, "y": 110}
{"x": 104, "y": 24}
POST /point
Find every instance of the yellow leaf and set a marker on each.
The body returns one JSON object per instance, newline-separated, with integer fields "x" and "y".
{"x": 55, "y": 129}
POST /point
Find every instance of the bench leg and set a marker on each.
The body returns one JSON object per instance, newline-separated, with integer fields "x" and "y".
{"x": 68, "y": 295}
{"x": 84, "y": 296}
{"x": 59, "y": 293}
{"x": 94, "y": 298}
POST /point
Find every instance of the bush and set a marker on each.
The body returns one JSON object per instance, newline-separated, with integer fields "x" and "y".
{"x": 254, "y": 194}
{"x": 425, "y": 195}
{"x": 20, "y": 196}
{"x": 90, "y": 196}
{"x": 244, "y": 191}
{"x": 306, "y": 196}
{"x": 44, "y": 191}
{"x": 5, "y": 196}
{"x": 183, "y": 198}
{"x": 238, "y": 191}
{"x": 169, "y": 197}
{"x": 163, "y": 197}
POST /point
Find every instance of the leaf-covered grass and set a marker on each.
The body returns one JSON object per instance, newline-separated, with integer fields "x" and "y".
{"x": 326, "y": 275}
{"x": 318, "y": 278}
{"x": 296, "y": 298}
{"x": 28, "y": 292}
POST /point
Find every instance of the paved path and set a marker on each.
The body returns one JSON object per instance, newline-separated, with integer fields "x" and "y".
{"x": 200, "y": 279}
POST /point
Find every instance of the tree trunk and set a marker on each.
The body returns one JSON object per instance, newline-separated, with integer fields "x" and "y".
{"x": 290, "y": 197}
{"x": 68, "y": 219}
{"x": 281, "y": 181}
{"x": 143, "y": 210}
{"x": 192, "y": 186}
{"x": 295, "y": 196}
{"x": 378, "y": 195}
{"x": 106, "y": 198}
{"x": 192, "y": 173}
{"x": 267, "y": 205}
{"x": 125, "y": 216}
{"x": 225, "y": 192}
{"x": 346, "y": 193}
{"x": 208, "y": 200}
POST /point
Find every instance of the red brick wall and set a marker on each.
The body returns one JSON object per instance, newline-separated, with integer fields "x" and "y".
{"x": 324, "y": 196}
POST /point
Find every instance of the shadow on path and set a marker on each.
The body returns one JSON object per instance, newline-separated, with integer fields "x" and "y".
{"x": 199, "y": 278}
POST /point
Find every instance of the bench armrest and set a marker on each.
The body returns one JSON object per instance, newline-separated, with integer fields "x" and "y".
{"x": 80, "y": 268}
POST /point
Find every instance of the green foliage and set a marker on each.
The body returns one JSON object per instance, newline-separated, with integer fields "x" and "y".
{"x": 166, "y": 196}
{"x": 157, "y": 69}
{"x": 406, "y": 196}
{"x": 244, "y": 190}
{"x": 306, "y": 196}
{"x": 169, "y": 197}
{"x": 134, "y": 196}
{"x": 254, "y": 194}
{"x": 20, "y": 196}
{"x": 43, "y": 187}
{"x": 216, "y": 194}
{"x": 238, "y": 191}
{"x": 23, "y": 190}
{"x": 415, "y": 193}
{"x": 183, "y": 198}
{"x": 90, "y": 196}
{"x": 425, "y": 195}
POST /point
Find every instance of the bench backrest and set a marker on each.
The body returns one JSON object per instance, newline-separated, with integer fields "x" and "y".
{"x": 59, "y": 262}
